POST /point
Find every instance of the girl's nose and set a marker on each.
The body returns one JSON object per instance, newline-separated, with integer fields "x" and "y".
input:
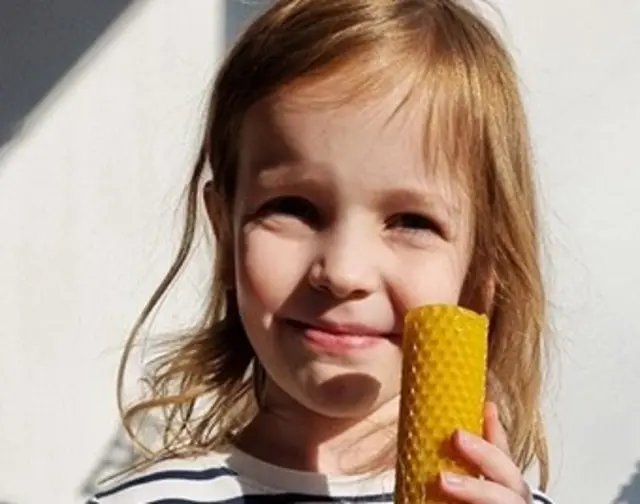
{"x": 346, "y": 265}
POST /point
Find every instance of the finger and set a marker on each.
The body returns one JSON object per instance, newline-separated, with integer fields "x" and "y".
{"x": 492, "y": 462}
{"x": 476, "y": 491}
{"x": 493, "y": 430}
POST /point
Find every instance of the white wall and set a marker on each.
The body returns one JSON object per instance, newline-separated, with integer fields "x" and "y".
{"x": 89, "y": 184}
{"x": 88, "y": 190}
{"x": 579, "y": 62}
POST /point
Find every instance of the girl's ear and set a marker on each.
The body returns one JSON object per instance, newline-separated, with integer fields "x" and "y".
{"x": 490, "y": 292}
{"x": 215, "y": 211}
{"x": 221, "y": 224}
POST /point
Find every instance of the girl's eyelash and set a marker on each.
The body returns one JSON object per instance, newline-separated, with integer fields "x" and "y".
{"x": 415, "y": 223}
{"x": 301, "y": 208}
{"x": 290, "y": 205}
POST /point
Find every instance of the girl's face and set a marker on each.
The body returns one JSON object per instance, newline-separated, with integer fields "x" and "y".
{"x": 339, "y": 229}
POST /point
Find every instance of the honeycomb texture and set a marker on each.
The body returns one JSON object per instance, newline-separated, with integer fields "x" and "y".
{"x": 443, "y": 389}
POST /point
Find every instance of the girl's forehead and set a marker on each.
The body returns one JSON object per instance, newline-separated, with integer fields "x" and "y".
{"x": 364, "y": 150}
{"x": 305, "y": 123}
{"x": 385, "y": 133}
{"x": 321, "y": 114}
{"x": 360, "y": 136}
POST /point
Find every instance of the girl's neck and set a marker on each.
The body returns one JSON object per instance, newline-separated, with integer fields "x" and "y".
{"x": 288, "y": 435}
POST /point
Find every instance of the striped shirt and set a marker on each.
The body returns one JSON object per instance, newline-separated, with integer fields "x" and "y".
{"x": 234, "y": 477}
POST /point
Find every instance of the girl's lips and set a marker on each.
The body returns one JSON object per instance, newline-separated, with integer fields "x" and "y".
{"x": 338, "y": 338}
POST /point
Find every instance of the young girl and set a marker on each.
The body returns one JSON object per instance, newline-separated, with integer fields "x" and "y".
{"x": 365, "y": 157}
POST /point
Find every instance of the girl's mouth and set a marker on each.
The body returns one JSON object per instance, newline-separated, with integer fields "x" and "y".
{"x": 338, "y": 338}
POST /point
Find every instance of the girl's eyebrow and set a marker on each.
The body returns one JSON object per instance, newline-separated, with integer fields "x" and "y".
{"x": 409, "y": 196}
{"x": 274, "y": 175}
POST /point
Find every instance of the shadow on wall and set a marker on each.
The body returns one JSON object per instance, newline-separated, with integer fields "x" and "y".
{"x": 238, "y": 14}
{"x": 39, "y": 43}
{"x": 630, "y": 492}
{"x": 119, "y": 455}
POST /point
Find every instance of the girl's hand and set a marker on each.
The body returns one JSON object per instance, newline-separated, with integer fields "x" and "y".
{"x": 503, "y": 482}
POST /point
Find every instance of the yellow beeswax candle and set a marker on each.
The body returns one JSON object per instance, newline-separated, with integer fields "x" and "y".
{"x": 443, "y": 389}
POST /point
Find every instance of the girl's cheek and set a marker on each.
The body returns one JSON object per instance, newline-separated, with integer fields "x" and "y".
{"x": 426, "y": 280}
{"x": 270, "y": 267}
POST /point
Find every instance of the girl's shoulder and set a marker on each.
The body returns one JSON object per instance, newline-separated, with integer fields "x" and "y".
{"x": 541, "y": 498}
{"x": 195, "y": 479}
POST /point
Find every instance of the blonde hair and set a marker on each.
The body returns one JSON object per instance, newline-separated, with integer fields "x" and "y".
{"x": 206, "y": 385}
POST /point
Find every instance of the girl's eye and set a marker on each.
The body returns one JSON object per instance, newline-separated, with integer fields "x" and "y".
{"x": 293, "y": 206}
{"x": 413, "y": 222}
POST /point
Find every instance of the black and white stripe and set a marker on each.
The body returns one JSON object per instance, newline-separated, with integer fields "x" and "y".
{"x": 192, "y": 482}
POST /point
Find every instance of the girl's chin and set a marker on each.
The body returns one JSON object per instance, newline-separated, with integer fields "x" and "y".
{"x": 343, "y": 394}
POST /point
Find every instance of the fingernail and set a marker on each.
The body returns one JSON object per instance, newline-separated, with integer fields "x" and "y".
{"x": 452, "y": 479}
{"x": 467, "y": 439}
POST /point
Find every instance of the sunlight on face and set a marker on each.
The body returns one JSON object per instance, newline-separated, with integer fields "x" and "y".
{"x": 339, "y": 229}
